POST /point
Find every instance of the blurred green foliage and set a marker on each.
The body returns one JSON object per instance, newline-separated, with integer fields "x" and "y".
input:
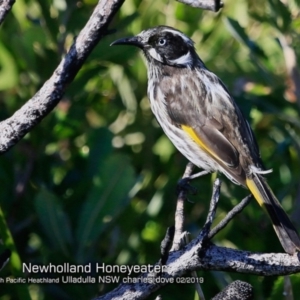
{"x": 96, "y": 180}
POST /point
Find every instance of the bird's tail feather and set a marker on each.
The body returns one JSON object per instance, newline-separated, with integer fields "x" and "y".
{"x": 284, "y": 228}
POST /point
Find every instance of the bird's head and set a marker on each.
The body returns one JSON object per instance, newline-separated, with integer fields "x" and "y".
{"x": 164, "y": 45}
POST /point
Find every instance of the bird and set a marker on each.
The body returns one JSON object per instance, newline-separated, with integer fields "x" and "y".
{"x": 200, "y": 117}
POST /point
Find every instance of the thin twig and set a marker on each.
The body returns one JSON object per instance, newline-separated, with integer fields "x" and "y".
{"x": 237, "y": 209}
{"x": 196, "y": 175}
{"x": 179, "y": 213}
{"x": 166, "y": 244}
{"x": 212, "y": 206}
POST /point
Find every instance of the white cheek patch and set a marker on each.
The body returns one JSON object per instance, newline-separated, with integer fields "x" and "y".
{"x": 155, "y": 55}
{"x": 184, "y": 60}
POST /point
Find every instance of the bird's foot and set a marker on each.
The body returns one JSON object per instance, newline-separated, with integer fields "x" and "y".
{"x": 184, "y": 185}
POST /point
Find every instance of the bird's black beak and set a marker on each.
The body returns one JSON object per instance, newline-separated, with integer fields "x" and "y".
{"x": 133, "y": 41}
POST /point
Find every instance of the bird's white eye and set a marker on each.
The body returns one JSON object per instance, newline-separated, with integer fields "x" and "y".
{"x": 162, "y": 42}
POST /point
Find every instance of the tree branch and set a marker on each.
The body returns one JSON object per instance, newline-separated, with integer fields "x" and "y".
{"x": 238, "y": 290}
{"x": 5, "y": 7}
{"x": 38, "y": 107}
{"x": 236, "y": 210}
{"x": 213, "y": 5}
{"x": 211, "y": 257}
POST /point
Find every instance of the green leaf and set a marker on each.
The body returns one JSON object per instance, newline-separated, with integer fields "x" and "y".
{"x": 101, "y": 147}
{"x": 8, "y": 70}
{"x": 106, "y": 199}
{"x": 14, "y": 261}
{"x": 280, "y": 15}
{"x": 55, "y": 223}
{"x": 50, "y": 22}
{"x": 239, "y": 33}
{"x": 125, "y": 89}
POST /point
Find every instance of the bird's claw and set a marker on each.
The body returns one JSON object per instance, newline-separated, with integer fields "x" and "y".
{"x": 184, "y": 185}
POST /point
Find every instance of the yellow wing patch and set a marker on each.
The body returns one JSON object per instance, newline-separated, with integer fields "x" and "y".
{"x": 190, "y": 131}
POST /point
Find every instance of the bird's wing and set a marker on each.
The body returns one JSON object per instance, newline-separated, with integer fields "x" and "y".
{"x": 219, "y": 148}
{"x": 211, "y": 118}
{"x": 212, "y": 141}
